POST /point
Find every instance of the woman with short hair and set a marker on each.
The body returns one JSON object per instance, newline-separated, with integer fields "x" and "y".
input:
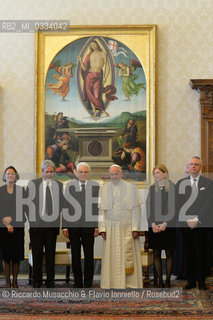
{"x": 12, "y": 231}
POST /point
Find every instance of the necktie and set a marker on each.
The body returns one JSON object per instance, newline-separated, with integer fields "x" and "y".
{"x": 83, "y": 187}
{"x": 49, "y": 205}
{"x": 83, "y": 205}
{"x": 194, "y": 186}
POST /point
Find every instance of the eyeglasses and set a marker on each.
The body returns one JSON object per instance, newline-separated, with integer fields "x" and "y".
{"x": 83, "y": 171}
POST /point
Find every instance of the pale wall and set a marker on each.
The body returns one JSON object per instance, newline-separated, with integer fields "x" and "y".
{"x": 185, "y": 42}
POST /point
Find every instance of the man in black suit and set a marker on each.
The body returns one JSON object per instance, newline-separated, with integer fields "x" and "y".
{"x": 194, "y": 195}
{"x": 80, "y": 225}
{"x": 44, "y": 220}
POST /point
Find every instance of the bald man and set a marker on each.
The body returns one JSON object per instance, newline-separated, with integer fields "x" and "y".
{"x": 194, "y": 209}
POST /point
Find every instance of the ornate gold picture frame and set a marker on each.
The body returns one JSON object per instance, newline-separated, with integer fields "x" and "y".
{"x": 96, "y": 99}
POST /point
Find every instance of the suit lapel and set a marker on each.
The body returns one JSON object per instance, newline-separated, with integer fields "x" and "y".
{"x": 200, "y": 183}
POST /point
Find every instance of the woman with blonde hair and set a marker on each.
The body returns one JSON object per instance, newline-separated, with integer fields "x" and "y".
{"x": 160, "y": 209}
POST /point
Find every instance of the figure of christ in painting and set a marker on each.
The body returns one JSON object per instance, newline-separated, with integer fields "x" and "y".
{"x": 94, "y": 71}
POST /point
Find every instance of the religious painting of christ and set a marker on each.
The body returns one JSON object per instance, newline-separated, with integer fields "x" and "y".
{"x": 98, "y": 94}
{"x": 96, "y": 76}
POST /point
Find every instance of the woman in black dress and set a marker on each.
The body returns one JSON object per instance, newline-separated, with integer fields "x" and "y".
{"x": 160, "y": 208}
{"x": 12, "y": 231}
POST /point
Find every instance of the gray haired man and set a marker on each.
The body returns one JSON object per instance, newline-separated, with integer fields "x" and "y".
{"x": 45, "y": 222}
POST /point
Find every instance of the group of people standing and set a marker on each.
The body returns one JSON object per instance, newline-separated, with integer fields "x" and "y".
{"x": 185, "y": 207}
{"x": 116, "y": 218}
{"x": 112, "y": 211}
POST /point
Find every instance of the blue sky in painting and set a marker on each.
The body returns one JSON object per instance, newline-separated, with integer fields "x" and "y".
{"x": 73, "y": 106}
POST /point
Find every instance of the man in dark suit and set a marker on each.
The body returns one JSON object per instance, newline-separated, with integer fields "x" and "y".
{"x": 194, "y": 195}
{"x": 80, "y": 226}
{"x": 44, "y": 222}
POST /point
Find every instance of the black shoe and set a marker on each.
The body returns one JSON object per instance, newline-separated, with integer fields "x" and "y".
{"x": 161, "y": 284}
{"x": 202, "y": 286}
{"x": 189, "y": 286}
{"x": 15, "y": 284}
{"x": 78, "y": 285}
{"x": 180, "y": 277}
{"x": 167, "y": 284}
{"x": 50, "y": 284}
{"x": 36, "y": 285}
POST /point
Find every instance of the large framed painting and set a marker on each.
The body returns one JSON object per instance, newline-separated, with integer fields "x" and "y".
{"x": 95, "y": 100}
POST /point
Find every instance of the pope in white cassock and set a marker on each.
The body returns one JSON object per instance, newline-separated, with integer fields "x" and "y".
{"x": 119, "y": 223}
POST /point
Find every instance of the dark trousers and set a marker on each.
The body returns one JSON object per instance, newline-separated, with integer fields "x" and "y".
{"x": 179, "y": 266}
{"x": 87, "y": 241}
{"x": 196, "y": 243}
{"x": 43, "y": 238}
